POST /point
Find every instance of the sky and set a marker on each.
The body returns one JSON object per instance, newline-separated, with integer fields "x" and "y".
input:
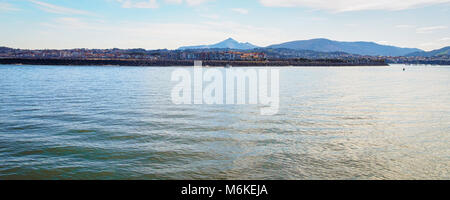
{"x": 169, "y": 24}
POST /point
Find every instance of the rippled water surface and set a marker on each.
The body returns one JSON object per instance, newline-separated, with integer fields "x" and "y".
{"x": 67, "y": 122}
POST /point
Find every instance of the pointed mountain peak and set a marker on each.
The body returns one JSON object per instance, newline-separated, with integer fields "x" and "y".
{"x": 229, "y": 43}
{"x": 230, "y": 39}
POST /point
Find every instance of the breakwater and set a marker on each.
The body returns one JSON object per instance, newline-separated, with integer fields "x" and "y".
{"x": 128, "y": 62}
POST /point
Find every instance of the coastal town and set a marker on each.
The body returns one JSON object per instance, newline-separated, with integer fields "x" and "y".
{"x": 258, "y": 56}
{"x": 137, "y": 54}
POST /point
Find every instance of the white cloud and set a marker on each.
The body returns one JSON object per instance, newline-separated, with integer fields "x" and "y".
{"x": 155, "y": 4}
{"x": 210, "y": 16}
{"x": 174, "y": 1}
{"x": 51, "y": 8}
{"x": 404, "y": 26}
{"x": 352, "y": 5}
{"x": 430, "y": 29}
{"x": 435, "y": 44}
{"x": 427, "y": 44}
{"x": 193, "y": 2}
{"x": 351, "y": 25}
{"x": 7, "y": 7}
{"x": 240, "y": 10}
{"x": 70, "y": 22}
{"x": 70, "y": 32}
{"x": 139, "y": 4}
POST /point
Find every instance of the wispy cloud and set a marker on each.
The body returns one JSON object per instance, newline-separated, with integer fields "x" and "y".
{"x": 430, "y": 29}
{"x": 405, "y": 26}
{"x": 210, "y": 16}
{"x": 427, "y": 44}
{"x": 351, "y": 25}
{"x": 190, "y": 2}
{"x": 91, "y": 33}
{"x": 352, "y": 5}
{"x": 155, "y": 4}
{"x": 51, "y": 8}
{"x": 4, "y": 6}
{"x": 139, "y": 4}
{"x": 240, "y": 10}
{"x": 70, "y": 22}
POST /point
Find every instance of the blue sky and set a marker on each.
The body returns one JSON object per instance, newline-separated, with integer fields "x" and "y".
{"x": 155, "y": 24}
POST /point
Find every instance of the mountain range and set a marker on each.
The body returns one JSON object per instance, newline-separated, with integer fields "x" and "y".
{"x": 229, "y": 43}
{"x": 316, "y": 48}
{"x": 438, "y": 52}
{"x": 361, "y": 48}
{"x": 318, "y": 45}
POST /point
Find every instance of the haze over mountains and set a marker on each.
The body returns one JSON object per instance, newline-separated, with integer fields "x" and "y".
{"x": 361, "y": 48}
{"x": 319, "y": 45}
{"x": 316, "y": 48}
{"x": 437, "y": 52}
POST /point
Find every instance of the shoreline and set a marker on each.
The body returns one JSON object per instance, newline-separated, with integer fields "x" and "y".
{"x": 183, "y": 63}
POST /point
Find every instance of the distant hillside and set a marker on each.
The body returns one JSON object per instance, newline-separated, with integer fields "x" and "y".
{"x": 361, "y": 48}
{"x": 229, "y": 43}
{"x": 438, "y": 52}
{"x": 5, "y": 49}
{"x": 292, "y": 53}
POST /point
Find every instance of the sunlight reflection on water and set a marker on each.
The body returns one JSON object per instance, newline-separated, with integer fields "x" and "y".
{"x": 119, "y": 123}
